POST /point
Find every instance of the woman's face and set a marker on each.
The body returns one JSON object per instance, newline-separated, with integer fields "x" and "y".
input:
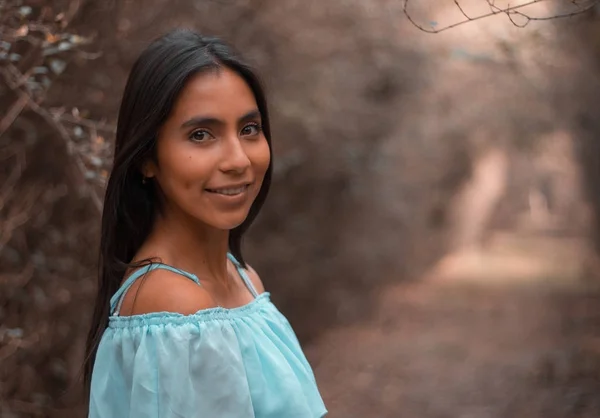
{"x": 212, "y": 154}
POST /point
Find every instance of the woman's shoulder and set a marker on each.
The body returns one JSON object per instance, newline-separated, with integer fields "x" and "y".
{"x": 255, "y": 279}
{"x": 163, "y": 290}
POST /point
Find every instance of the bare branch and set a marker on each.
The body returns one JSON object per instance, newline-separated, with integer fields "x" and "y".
{"x": 509, "y": 11}
{"x": 18, "y": 215}
{"x": 64, "y": 134}
{"x": 13, "y": 78}
{"x": 9, "y": 184}
{"x": 12, "y": 114}
{"x": 19, "y": 279}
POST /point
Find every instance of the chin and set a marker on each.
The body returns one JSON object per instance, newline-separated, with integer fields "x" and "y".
{"x": 227, "y": 222}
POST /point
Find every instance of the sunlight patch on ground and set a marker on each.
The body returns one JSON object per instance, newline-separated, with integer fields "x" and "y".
{"x": 512, "y": 259}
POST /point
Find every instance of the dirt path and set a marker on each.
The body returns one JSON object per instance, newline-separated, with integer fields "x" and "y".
{"x": 507, "y": 332}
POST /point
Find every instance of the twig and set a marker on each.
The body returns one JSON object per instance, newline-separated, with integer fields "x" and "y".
{"x": 462, "y": 11}
{"x": 8, "y": 350}
{"x": 13, "y": 72}
{"x": 18, "y": 216}
{"x": 89, "y": 123}
{"x": 74, "y": 7}
{"x": 510, "y": 14}
{"x": 12, "y": 179}
{"x": 7, "y": 152}
{"x": 12, "y": 114}
{"x": 20, "y": 279}
{"x": 89, "y": 55}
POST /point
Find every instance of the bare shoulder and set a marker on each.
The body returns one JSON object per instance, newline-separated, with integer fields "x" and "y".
{"x": 165, "y": 291}
{"x": 255, "y": 278}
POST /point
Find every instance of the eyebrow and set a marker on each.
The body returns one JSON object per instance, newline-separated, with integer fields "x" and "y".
{"x": 202, "y": 120}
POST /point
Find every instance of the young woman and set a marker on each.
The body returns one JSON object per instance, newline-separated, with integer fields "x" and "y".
{"x": 182, "y": 326}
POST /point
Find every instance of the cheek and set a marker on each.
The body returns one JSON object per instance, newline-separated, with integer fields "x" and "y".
{"x": 261, "y": 157}
{"x": 182, "y": 172}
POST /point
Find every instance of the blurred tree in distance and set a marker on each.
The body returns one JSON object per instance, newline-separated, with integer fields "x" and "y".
{"x": 54, "y": 163}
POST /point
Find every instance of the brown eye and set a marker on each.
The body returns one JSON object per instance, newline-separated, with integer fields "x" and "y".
{"x": 200, "y": 135}
{"x": 251, "y": 129}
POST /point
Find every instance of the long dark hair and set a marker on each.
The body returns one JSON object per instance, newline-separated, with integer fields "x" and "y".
{"x": 154, "y": 84}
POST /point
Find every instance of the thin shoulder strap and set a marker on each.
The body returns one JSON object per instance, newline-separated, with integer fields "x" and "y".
{"x": 242, "y": 272}
{"x": 116, "y": 302}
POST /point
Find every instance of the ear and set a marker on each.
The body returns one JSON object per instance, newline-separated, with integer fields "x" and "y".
{"x": 149, "y": 169}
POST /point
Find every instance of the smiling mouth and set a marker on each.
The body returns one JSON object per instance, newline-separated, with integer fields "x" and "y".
{"x": 230, "y": 191}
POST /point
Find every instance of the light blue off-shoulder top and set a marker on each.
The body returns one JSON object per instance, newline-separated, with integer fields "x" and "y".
{"x": 243, "y": 362}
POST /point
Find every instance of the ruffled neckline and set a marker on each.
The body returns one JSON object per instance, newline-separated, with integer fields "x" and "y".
{"x": 259, "y": 303}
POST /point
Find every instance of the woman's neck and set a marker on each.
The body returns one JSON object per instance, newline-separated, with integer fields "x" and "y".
{"x": 190, "y": 246}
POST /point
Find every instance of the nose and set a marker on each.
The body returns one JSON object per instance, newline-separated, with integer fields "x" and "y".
{"x": 235, "y": 160}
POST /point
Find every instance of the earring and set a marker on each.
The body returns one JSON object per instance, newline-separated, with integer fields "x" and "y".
{"x": 144, "y": 179}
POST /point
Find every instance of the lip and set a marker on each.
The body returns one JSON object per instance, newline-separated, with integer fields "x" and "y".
{"x": 244, "y": 187}
{"x": 246, "y": 184}
{"x": 230, "y": 201}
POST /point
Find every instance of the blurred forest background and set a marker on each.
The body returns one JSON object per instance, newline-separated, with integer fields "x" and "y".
{"x": 433, "y": 229}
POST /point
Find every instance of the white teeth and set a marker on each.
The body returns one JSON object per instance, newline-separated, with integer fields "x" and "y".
{"x": 230, "y": 192}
